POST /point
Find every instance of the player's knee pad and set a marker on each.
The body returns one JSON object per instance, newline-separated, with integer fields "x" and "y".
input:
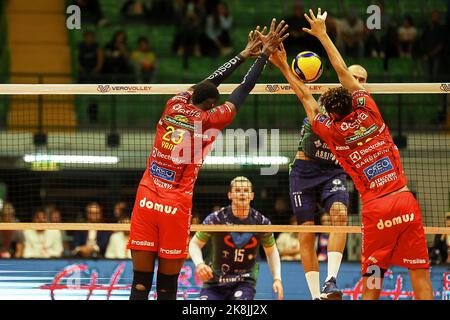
{"x": 373, "y": 272}
{"x": 142, "y": 283}
{"x": 166, "y": 286}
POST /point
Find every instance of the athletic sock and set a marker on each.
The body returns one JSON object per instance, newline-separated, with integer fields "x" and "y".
{"x": 312, "y": 278}
{"x": 334, "y": 263}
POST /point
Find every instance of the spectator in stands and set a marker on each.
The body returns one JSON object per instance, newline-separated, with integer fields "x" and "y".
{"x": 137, "y": 11}
{"x": 350, "y": 34}
{"x": 55, "y": 217}
{"x": 390, "y": 43}
{"x": 120, "y": 210}
{"x": 90, "y": 58}
{"x": 372, "y": 44}
{"x": 117, "y": 244}
{"x": 92, "y": 243}
{"x": 322, "y": 238}
{"x": 299, "y": 40}
{"x": 189, "y": 25}
{"x": 407, "y": 34}
{"x": 433, "y": 42}
{"x": 288, "y": 244}
{"x": 42, "y": 243}
{"x": 117, "y": 63}
{"x": 144, "y": 62}
{"x": 218, "y": 25}
{"x": 11, "y": 241}
{"x": 440, "y": 252}
{"x": 91, "y": 11}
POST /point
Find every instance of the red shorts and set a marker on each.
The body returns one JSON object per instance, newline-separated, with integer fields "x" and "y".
{"x": 160, "y": 225}
{"x": 392, "y": 233}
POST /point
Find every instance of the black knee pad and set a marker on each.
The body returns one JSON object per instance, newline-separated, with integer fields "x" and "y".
{"x": 142, "y": 283}
{"x": 382, "y": 272}
{"x": 166, "y": 286}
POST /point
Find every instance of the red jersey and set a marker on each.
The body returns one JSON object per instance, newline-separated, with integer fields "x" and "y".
{"x": 363, "y": 146}
{"x": 184, "y": 136}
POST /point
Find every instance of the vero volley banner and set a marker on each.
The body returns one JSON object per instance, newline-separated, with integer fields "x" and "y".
{"x": 111, "y": 279}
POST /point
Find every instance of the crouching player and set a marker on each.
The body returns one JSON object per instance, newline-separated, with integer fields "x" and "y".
{"x": 233, "y": 273}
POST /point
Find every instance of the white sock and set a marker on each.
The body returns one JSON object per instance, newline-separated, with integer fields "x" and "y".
{"x": 334, "y": 263}
{"x": 312, "y": 278}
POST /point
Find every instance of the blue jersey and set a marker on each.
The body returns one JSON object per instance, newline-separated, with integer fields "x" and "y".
{"x": 233, "y": 254}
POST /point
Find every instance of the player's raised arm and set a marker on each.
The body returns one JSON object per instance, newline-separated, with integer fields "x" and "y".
{"x": 278, "y": 58}
{"x": 270, "y": 42}
{"x": 319, "y": 30}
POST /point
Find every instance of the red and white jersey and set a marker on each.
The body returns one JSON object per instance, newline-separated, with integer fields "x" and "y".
{"x": 363, "y": 146}
{"x": 184, "y": 136}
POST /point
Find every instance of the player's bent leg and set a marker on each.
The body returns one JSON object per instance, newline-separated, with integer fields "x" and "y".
{"x": 167, "y": 278}
{"x": 143, "y": 267}
{"x": 371, "y": 291}
{"x": 421, "y": 283}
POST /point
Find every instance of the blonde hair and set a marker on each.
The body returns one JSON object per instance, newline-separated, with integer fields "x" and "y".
{"x": 241, "y": 179}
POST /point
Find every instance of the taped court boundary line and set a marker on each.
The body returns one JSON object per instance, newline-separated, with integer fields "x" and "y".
{"x": 200, "y": 227}
{"x": 155, "y": 89}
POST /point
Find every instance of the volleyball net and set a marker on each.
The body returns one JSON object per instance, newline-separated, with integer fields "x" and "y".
{"x": 65, "y": 146}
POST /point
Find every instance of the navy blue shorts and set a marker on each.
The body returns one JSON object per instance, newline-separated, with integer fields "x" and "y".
{"x": 238, "y": 291}
{"x": 312, "y": 184}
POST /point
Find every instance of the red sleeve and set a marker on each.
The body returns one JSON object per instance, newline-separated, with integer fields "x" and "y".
{"x": 321, "y": 126}
{"x": 182, "y": 97}
{"x": 363, "y": 99}
{"x": 220, "y": 116}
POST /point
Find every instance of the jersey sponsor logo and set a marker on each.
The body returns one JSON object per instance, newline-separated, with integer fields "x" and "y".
{"x": 142, "y": 243}
{"x": 162, "y": 173}
{"x": 232, "y": 278}
{"x": 161, "y": 184}
{"x": 414, "y": 261}
{"x": 180, "y": 121}
{"x": 321, "y": 118}
{"x": 170, "y": 251}
{"x": 388, "y": 223}
{"x": 157, "y": 206}
{"x": 378, "y": 168}
{"x": 355, "y": 124}
{"x": 361, "y": 102}
{"x": 355, "y": 156}
{"x": 338, "y": 185}
{"x": 383, "y": 180}
{"x": 371, "y": 157}
{"x": 187, "y": 112}
{"x": 342, "y": 148}
{"x": 371, "y": 147}
{"x": 361, "y": 133}
{"x": 158, "y": 154}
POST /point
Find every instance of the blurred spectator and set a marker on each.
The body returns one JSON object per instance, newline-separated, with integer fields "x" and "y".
{"x": 288, "y": 244}
{"x": 350, "y": 33}
{"x": 322, "y": 239}
{"x": 117, "y": 55}
{"x": 189, "y": 25}
{"x": 90, "y": 58}
{"x": 117, "y": 244}
{"x": 218, "y": 25}
{"x": 42, "y": 243}
{"x": 11, "y": 241}
{"x": 407, "y": 34}
{"x": 440, "y": 252}
{"x": 136, "y": 11}
{"x": 55, "y": 217}
{"x": 390, "y": 43}
{"x": 120, "y": 209}
{"x": 372, "y": 44}
{"x": 92, "y": 243}
{"x": 433, "y": 41}
{"x": 299, "y": 40}
{"x": 144, "y": 62}
{"x": 91, "y": 11}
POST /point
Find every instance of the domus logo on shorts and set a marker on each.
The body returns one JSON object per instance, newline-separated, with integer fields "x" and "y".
{"x": 157, "y": 206}
{"x": 169, "y": 251}
{"x": 409, "y": 217}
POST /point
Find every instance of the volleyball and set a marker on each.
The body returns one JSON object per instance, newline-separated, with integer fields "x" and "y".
{"x": 307, "y": 66}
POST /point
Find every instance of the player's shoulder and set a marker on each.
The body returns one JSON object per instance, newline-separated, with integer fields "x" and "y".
{"x": 217, "y": 217}
{"x": 259, "y": 218}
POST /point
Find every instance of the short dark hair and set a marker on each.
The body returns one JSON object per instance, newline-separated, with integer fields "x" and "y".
{"x": 203, "y": 91}
{"x": 337, "y": 101}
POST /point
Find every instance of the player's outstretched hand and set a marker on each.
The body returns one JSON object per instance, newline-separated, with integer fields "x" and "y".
{"x": 204, "y": 272}
{"x": 254, "y": 43}
{"x": 279, "y": 56}
{"x": 278, "y": 288}
{"x": 318, "y": 26}
{"x": 276, "y": 35}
